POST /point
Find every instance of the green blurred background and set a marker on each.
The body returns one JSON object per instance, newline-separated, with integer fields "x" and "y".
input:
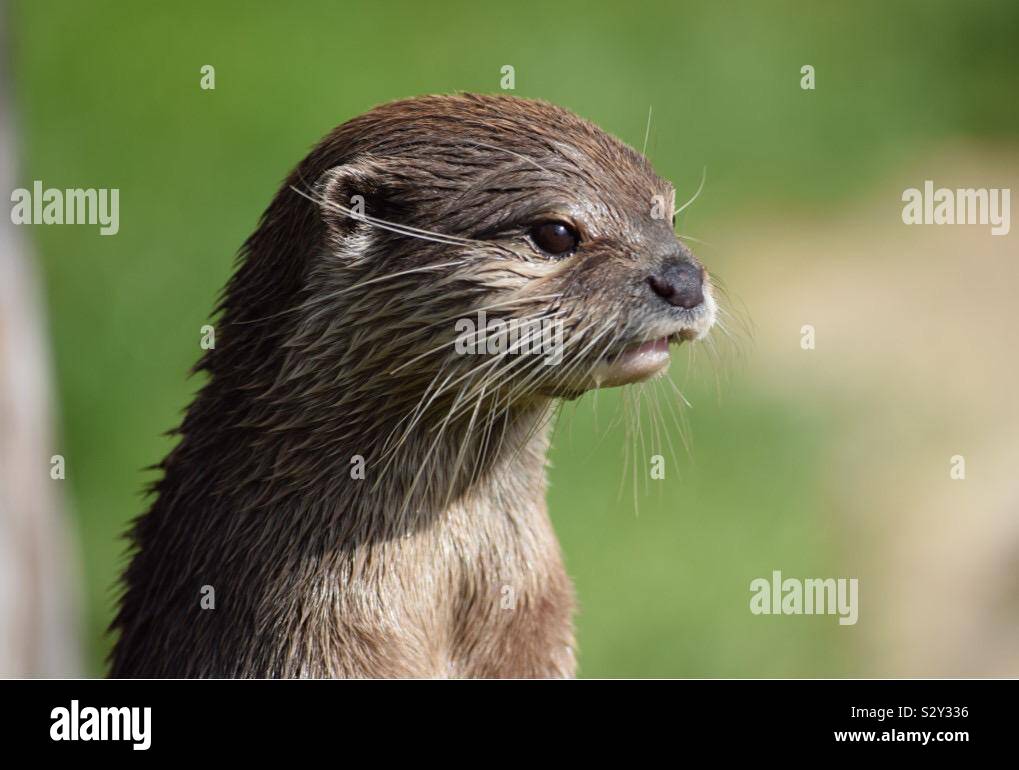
{"x": 108, "y": 96}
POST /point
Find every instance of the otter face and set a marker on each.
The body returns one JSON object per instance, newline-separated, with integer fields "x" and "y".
{"x": 541, "y": 249}
{"x": 626, "y": 286}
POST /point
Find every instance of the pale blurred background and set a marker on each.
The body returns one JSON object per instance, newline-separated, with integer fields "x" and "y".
{"x": 832, "y": 462}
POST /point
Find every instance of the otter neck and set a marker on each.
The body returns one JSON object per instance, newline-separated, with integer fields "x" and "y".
{"x": 360, "y": 478}
{"x": 502, "y": 451}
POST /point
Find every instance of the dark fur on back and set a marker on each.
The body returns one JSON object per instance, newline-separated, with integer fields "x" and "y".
{"x": 333, "y": 341}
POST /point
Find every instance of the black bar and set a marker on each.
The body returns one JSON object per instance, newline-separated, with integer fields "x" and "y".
{"x": 794, "y": 718}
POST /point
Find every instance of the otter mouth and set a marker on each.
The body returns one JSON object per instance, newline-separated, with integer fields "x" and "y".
{"x": 638, "y": 362}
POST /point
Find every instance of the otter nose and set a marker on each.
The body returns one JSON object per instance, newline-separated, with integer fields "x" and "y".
{"x": 680, "y": 284}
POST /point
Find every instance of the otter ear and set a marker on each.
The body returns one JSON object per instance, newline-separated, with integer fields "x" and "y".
{"x": 349, "y": 193}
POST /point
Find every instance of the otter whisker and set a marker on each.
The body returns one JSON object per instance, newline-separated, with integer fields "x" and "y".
{"x": 528, "y": 384}
{"x": 499, "y": 374}
{"x": 524, "y": 158}
{"x": 564, "y": 375}
{"x": 696, "y": 195}
{"x": 593, "y": 361}
{"x": 647, "y": 132}
{"x": 663, "y": 428}
{"x": 476, "y": 340}
{"x": 639, "y": 394}
{"x": 468, "y": 432}
{"x": 512, "y": 349}
{"x": 679, "y": 416}
{"x": 395, "y": 227}
{"x": 543, "y": 373}
{"x": 422, "y": 405}
{"x": 347, "y": 289}
{"x": 424, "y": 461}
{"x": 417, "y": 414}
{"x": 629, "y": 444}
{"x": 658, "y": 446}
{"x": 618, "y": 416}
{"x": 387, "y": 277}
{"x": 485, "y": 308}
{"x": 691, "y": 238}
{"x": 579, "y": 360}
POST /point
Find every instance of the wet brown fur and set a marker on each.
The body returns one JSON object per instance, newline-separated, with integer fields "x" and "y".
{"x": 333, "y": 340}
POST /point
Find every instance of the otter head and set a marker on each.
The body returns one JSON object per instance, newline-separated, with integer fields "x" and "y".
{"x": 466, "y": 248}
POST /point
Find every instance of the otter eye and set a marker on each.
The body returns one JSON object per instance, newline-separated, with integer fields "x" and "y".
{"x": 555, "y": 238}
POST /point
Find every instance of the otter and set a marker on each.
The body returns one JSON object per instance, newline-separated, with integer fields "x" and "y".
{"x": 351, "y": 497}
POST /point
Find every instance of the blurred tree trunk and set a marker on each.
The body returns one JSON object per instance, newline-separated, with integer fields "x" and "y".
{"x": 38, "y": 623}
